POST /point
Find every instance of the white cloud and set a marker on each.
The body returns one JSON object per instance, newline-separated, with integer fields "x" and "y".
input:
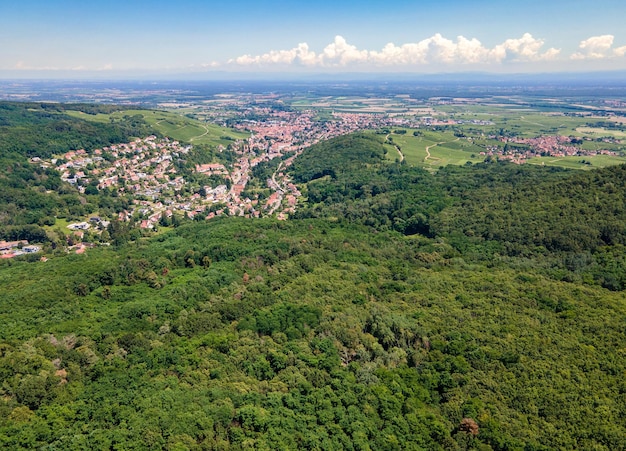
{"x": 598, "y": 47}
{"x": 300, "y": 54}
{"x": 211, "y": 65}
{"x": 471, "y": 50}
{"x": 434, "y": 50}
{"x": 526, "y": 48}
{"x": 620, "y": 51}
{"x": 340, "y": 53}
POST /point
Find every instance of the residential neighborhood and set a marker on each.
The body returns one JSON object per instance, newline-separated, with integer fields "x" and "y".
{"x": 147, "y": 170}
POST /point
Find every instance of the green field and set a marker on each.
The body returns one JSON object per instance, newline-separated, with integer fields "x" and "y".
{"x": 529, "y": 124}
{"x": 445, "y": 148}
{"x": 600, "y": 132}
{"x": 584, "y": 162}
{"x": 434, "y": 149}
{"x": 174, "y": 126}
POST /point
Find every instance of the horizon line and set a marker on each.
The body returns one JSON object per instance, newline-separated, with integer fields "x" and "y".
{"x": 225, "y": 76}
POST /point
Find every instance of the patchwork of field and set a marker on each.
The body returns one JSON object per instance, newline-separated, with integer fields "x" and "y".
{"x": 352, "y": 104}
{"x": 434, "y": 149}
{"x": 526, "y": 124}
{"x": 442, "y": 131}
{"x": 600, "y": 132}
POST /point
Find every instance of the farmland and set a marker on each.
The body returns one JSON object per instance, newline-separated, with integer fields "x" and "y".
{"x": 584, "y": 163}
{"x": 432, "y": 149}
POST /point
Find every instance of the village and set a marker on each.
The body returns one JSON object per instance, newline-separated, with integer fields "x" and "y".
{"x": 518, "y": 150}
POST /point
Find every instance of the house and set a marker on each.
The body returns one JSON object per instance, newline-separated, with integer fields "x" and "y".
{"x": 214, "y": 168}
{"x": 79, "y": 226}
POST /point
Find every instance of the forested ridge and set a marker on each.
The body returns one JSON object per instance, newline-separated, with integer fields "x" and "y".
{"x": 44, "y": 129}
{"x": 479, "y": 307}
{"x": 572, "y": 223}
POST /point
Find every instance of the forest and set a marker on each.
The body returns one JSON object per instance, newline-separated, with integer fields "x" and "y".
{"x": 479, "y": 307}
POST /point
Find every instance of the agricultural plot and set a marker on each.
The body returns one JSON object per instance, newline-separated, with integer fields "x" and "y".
{"x": 527, "y": 125}
{"x": 356, "y": 104}
{"x": 584, "y": 163}
{"x": 519, "y": 119}
{"x": 597, "y": 145}
{"x": 598, "y": 132}
{"x": 546, "y": 124}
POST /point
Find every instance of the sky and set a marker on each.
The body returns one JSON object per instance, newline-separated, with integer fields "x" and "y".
{"x": 87, "y": 38}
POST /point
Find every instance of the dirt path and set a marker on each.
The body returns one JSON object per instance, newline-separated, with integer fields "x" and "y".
{"x": 401, "y": 154}
{"x": 396, "y": 146}
{"x": 200, "y": 136}
{"x": 428, "y": 151}
{"x": 435, "y": 145}
{"x": 529, "y": 122}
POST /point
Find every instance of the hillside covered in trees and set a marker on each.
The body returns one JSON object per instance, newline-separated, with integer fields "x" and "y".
{"x": 479, "y": 307}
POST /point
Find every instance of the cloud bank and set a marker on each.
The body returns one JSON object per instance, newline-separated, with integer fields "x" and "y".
{"x": 435, "y": 50}
{"x": 436, "y": 53}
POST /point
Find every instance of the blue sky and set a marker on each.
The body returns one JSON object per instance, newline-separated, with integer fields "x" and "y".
{"x": 141, "y": 37}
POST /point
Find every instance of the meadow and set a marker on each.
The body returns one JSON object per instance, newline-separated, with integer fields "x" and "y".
{"x": 576, "y": 162}
{"x": 600, "y": 132}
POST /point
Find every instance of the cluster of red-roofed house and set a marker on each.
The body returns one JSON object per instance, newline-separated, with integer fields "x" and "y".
{"x": 145, "y": 168}
{"x": 10, "y": 249}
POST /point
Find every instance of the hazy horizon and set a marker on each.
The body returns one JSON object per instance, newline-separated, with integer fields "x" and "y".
{"x": 618, "y": 76}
